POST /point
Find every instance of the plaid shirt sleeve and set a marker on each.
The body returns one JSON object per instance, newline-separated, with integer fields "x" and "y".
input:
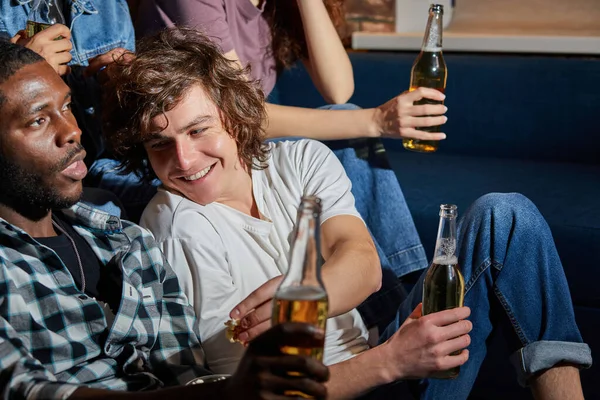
{"x": 21, "y": 375}
{"x": 177, "y": 356}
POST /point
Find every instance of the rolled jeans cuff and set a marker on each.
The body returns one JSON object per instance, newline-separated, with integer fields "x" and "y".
{"x": 545, "y": 354}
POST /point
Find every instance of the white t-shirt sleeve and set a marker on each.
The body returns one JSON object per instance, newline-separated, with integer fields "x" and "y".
{"x": 322, "y": 174}
{"x": 200, "y": 262}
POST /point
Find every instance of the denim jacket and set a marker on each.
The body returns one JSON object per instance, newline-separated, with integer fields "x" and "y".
{"x": 97, "y": 26}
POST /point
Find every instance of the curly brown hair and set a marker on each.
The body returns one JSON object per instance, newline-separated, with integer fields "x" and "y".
{"x": 287, "y": 31}
{"x": 167, "y": 65}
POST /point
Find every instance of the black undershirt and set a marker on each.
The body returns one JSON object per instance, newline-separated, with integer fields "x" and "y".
{"x": 103, "y": 282}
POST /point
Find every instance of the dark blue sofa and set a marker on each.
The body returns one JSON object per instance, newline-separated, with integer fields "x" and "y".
{"x": 522, "y": 123}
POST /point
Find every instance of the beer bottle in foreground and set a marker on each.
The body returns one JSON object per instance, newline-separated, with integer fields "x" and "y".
{"x": 429, "y": 70}
{"x": 301, "y": 296}
{"x": 444, "y": 286}
{"x": 43, "y": 14}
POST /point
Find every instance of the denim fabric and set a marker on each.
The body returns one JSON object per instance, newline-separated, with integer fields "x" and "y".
{"x": 97, "y": 26}
{"x": 514, "y": 282}
{"x": 133, "y": 193}
{"x": 103, "y": 200}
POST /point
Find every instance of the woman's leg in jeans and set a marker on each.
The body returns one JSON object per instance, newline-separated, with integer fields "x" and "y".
{"x": 510, "y": 264}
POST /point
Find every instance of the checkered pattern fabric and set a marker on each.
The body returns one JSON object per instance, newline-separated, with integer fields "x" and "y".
{"x": 54, "y": 338}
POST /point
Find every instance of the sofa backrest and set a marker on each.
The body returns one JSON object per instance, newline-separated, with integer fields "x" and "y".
{"x": 519, "y": 106}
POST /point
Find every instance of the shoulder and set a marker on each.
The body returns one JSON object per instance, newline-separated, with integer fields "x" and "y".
{"x": 298, "y": 151}
{"x": 171, "y": 217}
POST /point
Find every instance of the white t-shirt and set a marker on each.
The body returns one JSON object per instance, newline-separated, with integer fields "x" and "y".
{"x": 222, "y": 255}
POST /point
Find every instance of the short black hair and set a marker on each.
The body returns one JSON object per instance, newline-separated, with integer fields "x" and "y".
{"x": 13, "y": 57}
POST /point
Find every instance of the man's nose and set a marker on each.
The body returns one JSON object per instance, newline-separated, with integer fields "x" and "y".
{"x": 185, "y": 155}
{"x": 69, "y": 131}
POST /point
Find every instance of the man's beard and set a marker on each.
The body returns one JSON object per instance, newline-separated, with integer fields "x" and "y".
{"x": 28, "y": 194}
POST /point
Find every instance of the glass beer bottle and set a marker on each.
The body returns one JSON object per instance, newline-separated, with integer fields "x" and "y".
{"x": 429, "y": 70}
{"x": 444, "y": 285}
{"x": 43, "y": 14}
{"x": 301, "y": 296}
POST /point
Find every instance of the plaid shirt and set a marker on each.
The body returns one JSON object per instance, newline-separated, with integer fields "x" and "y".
{"x": 54, "y": 338}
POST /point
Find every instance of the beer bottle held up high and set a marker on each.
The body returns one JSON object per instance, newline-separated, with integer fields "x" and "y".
{"x": 301, "y": 296}
{"x": 43, "y": 14}
{"x": 444, "y": 285}
{"x": 429, "y": 70}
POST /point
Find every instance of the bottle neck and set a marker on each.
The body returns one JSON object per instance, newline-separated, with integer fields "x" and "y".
{"x": 446, "y": 243}
{"x": 47, "y": 12}
{"x": 305, "y": 255}
{"x": 432, "y": 41}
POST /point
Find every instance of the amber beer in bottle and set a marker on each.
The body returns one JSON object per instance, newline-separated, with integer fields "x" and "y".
{"x": 43, "y": 14}
{"x": 444, "y": 286}
{"x": 429, "y": 70}
{"x": 301, "y": 296}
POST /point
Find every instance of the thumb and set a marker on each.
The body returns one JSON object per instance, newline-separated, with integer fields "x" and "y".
{"x": 293, "y": 334}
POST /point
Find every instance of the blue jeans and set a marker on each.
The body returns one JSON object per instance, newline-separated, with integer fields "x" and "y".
{"x": 514, "y": 278}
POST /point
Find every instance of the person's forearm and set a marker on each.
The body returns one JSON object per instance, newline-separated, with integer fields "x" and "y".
{"x": 358, "y": 375}
{"x": 350, "y": 275}
{"x": 285, "y": 121}
{"x": 328, "y": 62}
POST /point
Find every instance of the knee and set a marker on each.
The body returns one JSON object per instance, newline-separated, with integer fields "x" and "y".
{"x": 508, "y": 206}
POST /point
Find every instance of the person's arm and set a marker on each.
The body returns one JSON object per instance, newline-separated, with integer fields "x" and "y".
{"x": 398, "y": 118}
{"x": 351, "y": 271}
{"x": 22, "y": 374}
{"x": 328, "y": 63}
{"x": 420, "y": 347}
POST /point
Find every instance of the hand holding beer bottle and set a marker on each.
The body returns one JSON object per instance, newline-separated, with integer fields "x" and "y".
{"x": 47, "y": 35}
{"x": 429, "y": 70}
{"x": 404, "y": 117}
{"x": 266, "y": 371}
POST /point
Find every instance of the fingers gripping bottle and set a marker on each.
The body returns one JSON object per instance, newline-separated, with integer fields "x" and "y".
{"x": 429, "y": 70}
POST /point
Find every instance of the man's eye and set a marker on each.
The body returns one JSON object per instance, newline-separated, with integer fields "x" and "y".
{"x": 196, "y": 132}
{"x": 38, "y": 122}
{"x": 67, "y": 107}
{"x": 158, "y": 145}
